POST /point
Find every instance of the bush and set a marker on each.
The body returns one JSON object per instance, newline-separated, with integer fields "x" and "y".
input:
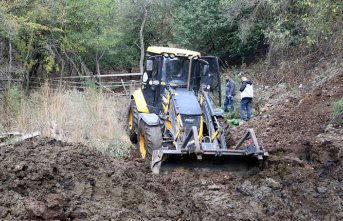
{"x": 337, "y": 114}
{"x": 90, "y": 84}
{"x": 12, "y": 99}
{"x": 118, "y": 149}
{"x": 10, "y": 105}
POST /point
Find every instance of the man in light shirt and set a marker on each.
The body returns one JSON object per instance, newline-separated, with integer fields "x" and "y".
{"x": 247, "y": 94}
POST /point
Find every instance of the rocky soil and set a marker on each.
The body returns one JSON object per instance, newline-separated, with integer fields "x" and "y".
{"x": 45, "y": 179}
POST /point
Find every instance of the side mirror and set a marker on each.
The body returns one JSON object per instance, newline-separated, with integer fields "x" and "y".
{"x": 206, "y": 70}
{"x": 149, "y": 65}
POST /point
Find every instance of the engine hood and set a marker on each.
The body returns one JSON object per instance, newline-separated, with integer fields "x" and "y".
{"x": 186, "y": 103}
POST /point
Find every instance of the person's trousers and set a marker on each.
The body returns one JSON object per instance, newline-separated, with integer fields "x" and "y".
{"x": 229, "y": 101}
{"x": 246, "y": 109}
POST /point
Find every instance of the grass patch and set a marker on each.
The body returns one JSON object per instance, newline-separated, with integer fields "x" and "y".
{"x": 232, "y": 118}
{"x": 93, "y": 118}
{"x": 11, "y": 102}
{"x": 337, "y": 114}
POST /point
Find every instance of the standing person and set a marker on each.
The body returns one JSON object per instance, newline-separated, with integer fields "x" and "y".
{"x": 247, "y": 94}
{"x": 229, "y": 93}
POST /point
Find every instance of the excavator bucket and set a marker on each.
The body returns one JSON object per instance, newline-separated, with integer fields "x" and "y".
{"x": 246, "y": 154}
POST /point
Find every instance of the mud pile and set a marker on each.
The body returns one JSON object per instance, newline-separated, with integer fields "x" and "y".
{"x": 294, "y": 124}
{"x": 306, "y": 148}
{"x": 46, "y": 179}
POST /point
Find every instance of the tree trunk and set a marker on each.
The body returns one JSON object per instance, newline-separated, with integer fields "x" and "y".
{"x": 10, "y": 55}
{"x": 97, "y": 63}
{"x": 62, "y": 70}
{"x": 27, "y": 86}
{"x": 97, "y": 69}
{"x": 141, "y": 37}
{"x": 10, "y": 47}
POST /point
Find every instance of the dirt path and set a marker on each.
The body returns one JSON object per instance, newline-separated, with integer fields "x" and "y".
{"x": 51, "y": 180}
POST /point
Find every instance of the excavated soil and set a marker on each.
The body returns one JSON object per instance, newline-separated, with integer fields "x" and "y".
{"x": 45, "y": 179}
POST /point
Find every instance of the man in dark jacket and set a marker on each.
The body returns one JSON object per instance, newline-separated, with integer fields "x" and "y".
{"x": 247, "y": 93}
{"x": 229, "y": 94}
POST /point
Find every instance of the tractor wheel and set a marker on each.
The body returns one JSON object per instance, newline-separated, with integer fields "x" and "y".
{"x": 226, "y": 129}
{"x": 149, "y": 139}
{"x": 133, "y": 120}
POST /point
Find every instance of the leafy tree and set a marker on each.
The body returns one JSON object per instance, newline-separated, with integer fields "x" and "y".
{"x": 35, "y": 34}
{"x": 156, "y": 30}
{"x": 206, "y": 26}
{"x": 91, "y": 28}
{"x": 84, "y": 37}
{"x": 304, "y": 23}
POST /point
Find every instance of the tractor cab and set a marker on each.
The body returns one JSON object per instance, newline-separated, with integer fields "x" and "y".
{"x": 176, "y": 71}
{"x": 178, "y": 68}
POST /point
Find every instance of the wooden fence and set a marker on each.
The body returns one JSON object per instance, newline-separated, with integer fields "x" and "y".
{"x": 120, "y": 84}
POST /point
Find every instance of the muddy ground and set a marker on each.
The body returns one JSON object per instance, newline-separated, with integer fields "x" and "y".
{"x": 45, "y": 179}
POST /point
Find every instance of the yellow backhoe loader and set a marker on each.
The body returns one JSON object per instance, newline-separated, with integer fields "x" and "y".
{"x": 173, "y": 118}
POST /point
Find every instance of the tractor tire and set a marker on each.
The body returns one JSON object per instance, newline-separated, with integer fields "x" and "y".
{"x": 149, "y": 139}
{"x": 133, "y": 121}
{"x": 226, "y": 129}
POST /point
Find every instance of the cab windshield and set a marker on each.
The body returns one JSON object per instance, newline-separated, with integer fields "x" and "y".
{"x": 176, "y": 71}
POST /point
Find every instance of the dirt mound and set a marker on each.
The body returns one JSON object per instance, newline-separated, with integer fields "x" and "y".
{"x": 294, "y": 124}
{"x": 47, "y": 179}
{"x": 301, "y": 132}
{"x": 306, "y": 152}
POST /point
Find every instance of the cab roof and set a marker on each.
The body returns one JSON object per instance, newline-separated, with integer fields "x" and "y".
{"x": 175, "y": 51}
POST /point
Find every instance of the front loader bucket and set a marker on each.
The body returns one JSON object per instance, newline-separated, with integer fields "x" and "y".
{"x": 242, "y": 157}
{"x": 247, "y": 154}
{"x": 207, "y": 163}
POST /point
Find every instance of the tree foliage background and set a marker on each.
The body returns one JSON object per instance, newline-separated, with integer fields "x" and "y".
{"x": 70, "y": 37}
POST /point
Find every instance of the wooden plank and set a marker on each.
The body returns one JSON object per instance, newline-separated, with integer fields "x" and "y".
{"x": 20, "y": 139}
{"x": 5, "y": 79}
{"x": 4, "y": 136}
{"x": 30, "y": 135}
{"x": 122, "y": 82}
{"x": 104, "y": 87}
{"x": 101, "y": 76}
{"x": 105, "y": 83}
{"x": 127, "y": 83}
{"x": 10, "y": 134}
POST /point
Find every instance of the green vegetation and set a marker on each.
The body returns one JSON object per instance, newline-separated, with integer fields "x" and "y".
{"x": 118, "y": 149}
{"x": 337, "y": 114}
{"x": 11, "y": 102}
{"x": 70, "y": 37}
{"x": 216, "y": 27}
{"x": 90, "y": 84}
